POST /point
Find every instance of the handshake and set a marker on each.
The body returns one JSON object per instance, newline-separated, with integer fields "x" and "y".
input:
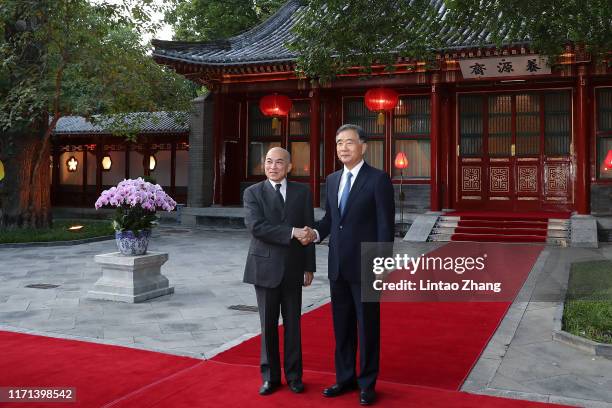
{"x": 305, "y": 235}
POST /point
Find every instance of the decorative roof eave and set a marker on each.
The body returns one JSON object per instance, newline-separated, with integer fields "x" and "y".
{"x": 285, "y": 70}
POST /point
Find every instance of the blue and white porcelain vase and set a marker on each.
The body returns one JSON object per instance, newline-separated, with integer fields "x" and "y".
{"x": 131, "y": 244}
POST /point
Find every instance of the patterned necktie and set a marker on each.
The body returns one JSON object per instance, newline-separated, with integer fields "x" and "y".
{"x": 279, "y": 194}
{"x": 345, "y": 193}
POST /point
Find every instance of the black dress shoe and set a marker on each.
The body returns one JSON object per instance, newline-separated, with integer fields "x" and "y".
{"x": 339, "y": 389}
{"x": 367, "y": 397}
{"x": 268, "y": 387}
{"x": 296, "y": 386}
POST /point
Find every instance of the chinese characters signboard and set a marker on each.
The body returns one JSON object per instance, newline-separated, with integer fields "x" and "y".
{"x": 504, "y": 66}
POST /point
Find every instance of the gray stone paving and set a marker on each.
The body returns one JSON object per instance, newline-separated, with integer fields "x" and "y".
{"x": 205, "y": 266}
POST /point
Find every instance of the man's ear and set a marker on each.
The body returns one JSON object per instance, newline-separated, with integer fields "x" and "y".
{"x": 289, "y": 167}
{"x": 364, "y": 147}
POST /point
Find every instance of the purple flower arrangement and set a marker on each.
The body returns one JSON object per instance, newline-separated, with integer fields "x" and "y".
{"x": 136, "y": 202}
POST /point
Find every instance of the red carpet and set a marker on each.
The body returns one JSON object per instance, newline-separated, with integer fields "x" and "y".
{"x": 100, "y": 373}
{"x": 214, "y": 385}
{"x": 431, "y": 344}
{"x": 427, "y": 351}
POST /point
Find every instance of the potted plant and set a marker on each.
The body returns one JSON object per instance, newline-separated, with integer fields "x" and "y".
{"x": 136, "y": 201}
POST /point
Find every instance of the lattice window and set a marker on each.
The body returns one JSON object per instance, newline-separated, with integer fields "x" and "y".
{"x": 355, "y": 112}
{"x": 411, "y": 134}
{"x": 471, "y": 125}
{"x": 557, "y": 123}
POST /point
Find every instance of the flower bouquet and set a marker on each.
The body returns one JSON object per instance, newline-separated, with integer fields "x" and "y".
{"x": 136, "y": 202}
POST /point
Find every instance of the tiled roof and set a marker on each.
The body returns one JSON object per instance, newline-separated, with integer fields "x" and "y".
{"x": 265, "y": 43}
{"x": 147, "y": 122}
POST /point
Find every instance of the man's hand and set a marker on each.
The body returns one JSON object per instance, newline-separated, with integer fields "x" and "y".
{"x": 308, "y": 276}
{"x": 305, "y": 235}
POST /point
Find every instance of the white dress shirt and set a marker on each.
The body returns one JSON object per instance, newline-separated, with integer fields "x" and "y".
{"x": 355, "y": 172}
{"x": 283, "y": 189}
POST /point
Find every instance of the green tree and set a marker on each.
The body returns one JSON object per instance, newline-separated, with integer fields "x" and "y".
{"x": 548, "y": 24}
{"x": 334, "y": 35}
{"x": 68, "y": 57}
{"x": 206, "y": 20}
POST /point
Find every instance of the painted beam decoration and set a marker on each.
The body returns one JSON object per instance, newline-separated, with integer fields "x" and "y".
{"x": 504, "y": 66}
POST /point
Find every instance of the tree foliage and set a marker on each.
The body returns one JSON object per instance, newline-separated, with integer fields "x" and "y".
{"x": 69, "y": 57}
{"x": 334, "y": 35}
{"x": 86, "y": 59}
{"x": 547, "y": 24}
{"x": 206, "y": 20}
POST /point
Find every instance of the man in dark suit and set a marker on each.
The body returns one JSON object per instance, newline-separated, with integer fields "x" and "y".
{"x": 278, "y": 265}
{"x": 359, "y": 208}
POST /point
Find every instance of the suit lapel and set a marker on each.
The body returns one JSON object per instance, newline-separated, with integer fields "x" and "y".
{"x": 290, "y": 199}
{"x": 357, "y": 185}
{"x": 335, "y": 184}
{"x": 272, "y": 200}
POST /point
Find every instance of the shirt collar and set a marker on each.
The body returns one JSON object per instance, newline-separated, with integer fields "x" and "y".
{"x": 283, "y": 183}
{"x": 354, "y": 170}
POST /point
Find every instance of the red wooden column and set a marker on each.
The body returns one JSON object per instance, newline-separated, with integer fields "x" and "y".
{"x": 173, "y": 168}
{"x": 315, "y": 138}
{"x": 448, "y": 147}
{"x": 581, "y": 143}
{"x": 435, "y": 143}
{"x": 84, "y": 180}
{"x": 99, "y": 155}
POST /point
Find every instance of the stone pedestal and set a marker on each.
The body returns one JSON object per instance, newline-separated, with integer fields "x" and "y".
{"x": 131, "y": 279}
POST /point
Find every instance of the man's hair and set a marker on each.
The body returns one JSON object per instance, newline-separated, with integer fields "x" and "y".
{"x": 363, "y": 137}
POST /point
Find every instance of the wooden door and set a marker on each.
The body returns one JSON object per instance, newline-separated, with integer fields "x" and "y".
{"x": 514, "y": 152}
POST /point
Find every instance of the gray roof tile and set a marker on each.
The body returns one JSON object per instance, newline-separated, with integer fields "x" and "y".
{"x": 147, "y": 122}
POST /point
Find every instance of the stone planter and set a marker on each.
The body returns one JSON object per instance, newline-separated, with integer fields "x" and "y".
{"x": 131, "y": 279}
{"x": 131, "y": 244}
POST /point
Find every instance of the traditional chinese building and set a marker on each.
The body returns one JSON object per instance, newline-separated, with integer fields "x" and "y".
{"x": 486, "y": 128}
{"x": 88, "y": 158}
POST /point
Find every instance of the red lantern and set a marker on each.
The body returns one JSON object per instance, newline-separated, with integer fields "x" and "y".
{"x": 275, "y": 105}
{"x": 607, "y": 164}
{"x": 401, "y": 161}
{"x": 381, "y": 100}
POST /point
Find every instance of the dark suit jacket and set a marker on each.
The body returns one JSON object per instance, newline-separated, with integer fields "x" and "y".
{"x": 272, "y": 253}
{"x": 369, "y": 216}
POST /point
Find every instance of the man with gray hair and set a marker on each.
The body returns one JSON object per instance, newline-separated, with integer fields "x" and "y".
{"x": 279, "y": 265}
{"x": 359, "y": 208}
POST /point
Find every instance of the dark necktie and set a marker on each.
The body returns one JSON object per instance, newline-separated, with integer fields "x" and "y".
{"x": 280, "y": 195}
{"x": 345, "y": 193}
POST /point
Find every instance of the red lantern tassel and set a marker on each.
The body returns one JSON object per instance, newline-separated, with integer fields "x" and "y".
{"x": 380, "y": 119}
{"x": 274, "y": 123}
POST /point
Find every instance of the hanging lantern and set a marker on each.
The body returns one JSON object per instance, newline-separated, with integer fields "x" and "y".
{"x": 107, "y": 162}
{"x": 401, "y": 161}
{"x": 275, "y": 105}
{"x": 381, "y": 100}
{"x": 607, "y": 164}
